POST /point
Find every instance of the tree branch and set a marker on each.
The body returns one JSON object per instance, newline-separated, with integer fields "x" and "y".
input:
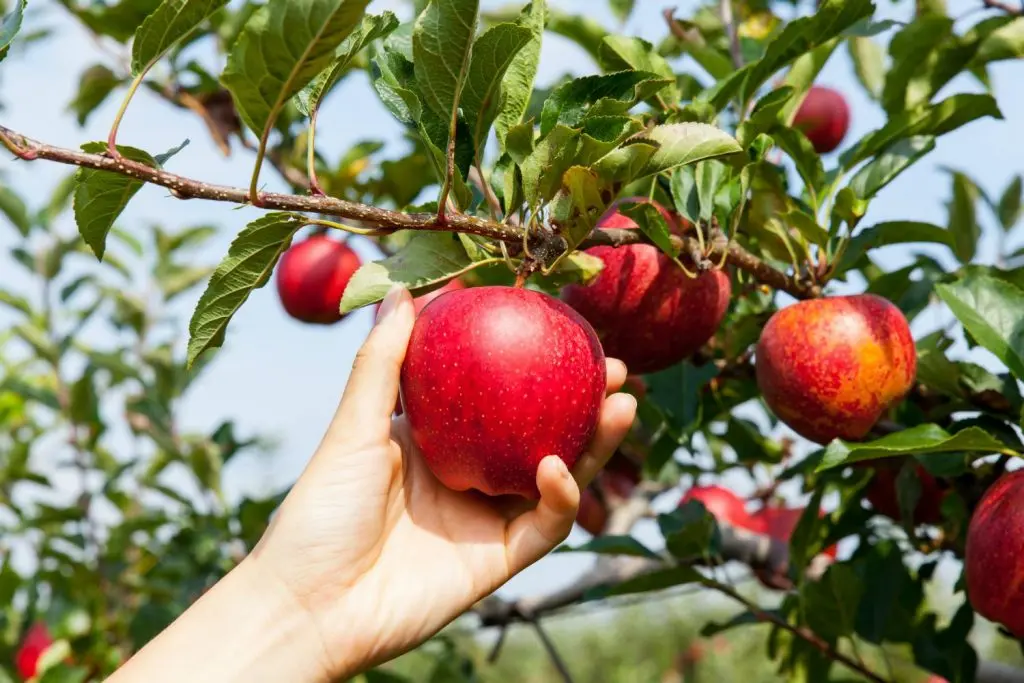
{"x": 1004, "y": 6}
{"x": 186, "y": 188}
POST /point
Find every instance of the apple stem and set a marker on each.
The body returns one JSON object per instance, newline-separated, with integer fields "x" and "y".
{"x": 521, "y": 276}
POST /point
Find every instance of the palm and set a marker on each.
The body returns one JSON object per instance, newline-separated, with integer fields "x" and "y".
{"x": 373, "y": 526}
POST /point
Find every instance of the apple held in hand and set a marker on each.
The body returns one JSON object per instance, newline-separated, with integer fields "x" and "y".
{"x": 994, "y": 557}
{"x": 724, "y": 505}
{"x": 831, "y": 367}
{"x": 494, "y": 380}
{"x": 647, "y": 312}
{"x": 312, "y": 276}
{"x": 824, "y": 117}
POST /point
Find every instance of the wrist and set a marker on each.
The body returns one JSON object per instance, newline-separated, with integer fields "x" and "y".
{"x": 248, "y": 627}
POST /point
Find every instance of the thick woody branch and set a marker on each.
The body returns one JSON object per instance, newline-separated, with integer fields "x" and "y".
{"x": 186, "y": 188}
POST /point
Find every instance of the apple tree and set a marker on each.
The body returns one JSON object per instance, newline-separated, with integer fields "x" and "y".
{"x": 698, "y": 200}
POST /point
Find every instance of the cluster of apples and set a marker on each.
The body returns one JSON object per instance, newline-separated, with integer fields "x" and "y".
{"x": 496, "y": 378}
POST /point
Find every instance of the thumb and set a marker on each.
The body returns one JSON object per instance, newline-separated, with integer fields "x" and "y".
{"x": 364, "y": 413}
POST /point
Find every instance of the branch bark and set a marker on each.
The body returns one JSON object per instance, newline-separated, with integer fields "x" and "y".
{"x": 186, "y": 188}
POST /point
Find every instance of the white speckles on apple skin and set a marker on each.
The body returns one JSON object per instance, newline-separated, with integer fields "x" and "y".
{"x": 497, "y": 378}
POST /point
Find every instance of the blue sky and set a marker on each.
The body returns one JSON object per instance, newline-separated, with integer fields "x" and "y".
{"x": 282, "y": 379}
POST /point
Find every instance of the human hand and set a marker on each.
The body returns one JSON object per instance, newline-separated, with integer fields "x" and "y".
{"x": 370, "y": 555}
{"x": 381, "y": 555}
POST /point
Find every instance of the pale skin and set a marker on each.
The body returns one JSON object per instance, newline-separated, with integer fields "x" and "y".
{"x": 369, "y": 555}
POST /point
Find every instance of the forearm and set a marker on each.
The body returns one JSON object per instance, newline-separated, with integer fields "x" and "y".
{"x": 246, "y": 628}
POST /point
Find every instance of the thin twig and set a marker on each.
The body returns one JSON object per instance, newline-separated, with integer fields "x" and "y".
{"x": 556, "y": 658}
{"x": 1004, "y": 6}
{"x": 725, "y": 7}
{"x": 804, "y": 634}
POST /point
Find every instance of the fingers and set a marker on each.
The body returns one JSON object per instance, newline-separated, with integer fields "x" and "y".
{"x": 533, "y": 534}
{"x": 616, "y": 373}
{"x": 617, "y": 415}
{"x": 372, "y": 389}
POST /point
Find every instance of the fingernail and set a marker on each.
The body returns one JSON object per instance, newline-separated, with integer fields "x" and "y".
{"x": 389, "y": 302}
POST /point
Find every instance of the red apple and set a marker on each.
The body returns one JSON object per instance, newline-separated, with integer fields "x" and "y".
{"x": 831, "y": 367}
{"x": 418, "y": 303}
{"x": 724, "y": 505}
{"x": 619, "y": 477}
{"x": 311, "y": 277}
{"x": 494, "y": 380}
{"x": 635, "y": 385}
{"x": 37, "y": 641}
{"x": 824, "y": 117}
{"x": 647, "y": 312}
{"x": 780, "y": 522}
{"x": 592, "y": 514}
{"x": 881, "y": 493}
{"x": 994, "y": 557}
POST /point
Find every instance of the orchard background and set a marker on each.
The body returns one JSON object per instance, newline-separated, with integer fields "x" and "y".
{"x": 132, "y": 480}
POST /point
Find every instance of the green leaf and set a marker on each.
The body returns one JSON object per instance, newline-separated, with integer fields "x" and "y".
{"x": 392, "y": 74}
{"x": 992, "y": 311}
{"x": 603, "y": 95}
{"x": 963, "y": 221}
{"x": 441, "y": 45}
{"x": 94, "y": 85}
{"x": 618, "y": 53}
{"x": 1006, "y": 42}
{"x": 172, "y": 21}
{"x": 100, "y": 196}
{"x": 690, "y": 531}
{"x": 868, "y": 63}
{"x": 913, "y": 51}
{"x": 651, "y": 223}
{"x": 622, "y": 9}
{"x": 1009, "y": 206}
{"x": 884, "y": 168}
{"x": 684, "y": 193}
{"x": 84, "y": 404}
{"x": 493, "y": 54}
{"x": 517, "y": 85}
{"x": 10, "y": 26}
{"x": 654, "y": 581}
{"x": 831, "y": 604}
{"x": 578, "y": 205}
{"x": 547, "y": 163}
{"x": 806, "y": 225}
{"x": 685, "y": 143}
{"x": 119, "y": 20}
{"x": 247, "y": 266}
{"x": 808, "y": 164}
{"x": 283, "y": 46}
{"x": 16, "y": 302}
{"x": 936, "y": 119}
{"x": 12, "y": 206}
{"x": 373, "y": 27}
{"x": 426, "y": 262}
{"x": 798, "y": 38}
{"x": 611, "y": 545}
{"x": 920, "y": 440}
{"x": 895, "y": 232}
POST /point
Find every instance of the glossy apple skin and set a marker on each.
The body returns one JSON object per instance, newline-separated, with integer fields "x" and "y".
{"x": 824, "y": 117}
{"x": 780, "y": 523}
{"x": 494, "y": 380}
{"x": 881, "y": 493}
{"x": 831, "y": 367}
{"x": 592, "y": 515}
{"x": 724, "y": 505}
{"x": 37, "y": 641}
{"x": 647, "y": 312}
{"x": 312, "y": 276}
{"x": 994, "y": 557}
